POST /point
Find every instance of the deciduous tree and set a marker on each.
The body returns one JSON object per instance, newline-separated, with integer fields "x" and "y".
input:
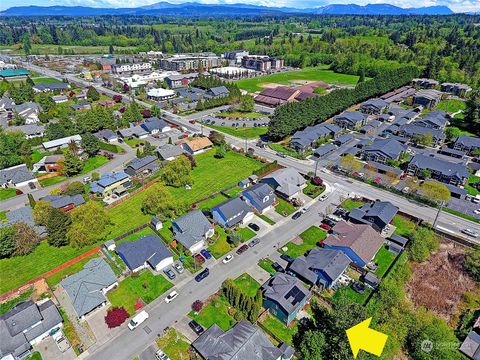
{"x": 7, "y": 241}
{"x": 26, "y": 239}
{"x": 89, "y": 222}
{"x": 178, "y": 172}
{"x": 434, "y": 191}
{"x": 158, "y": 200}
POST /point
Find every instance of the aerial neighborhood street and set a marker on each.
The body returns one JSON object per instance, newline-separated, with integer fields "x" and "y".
{"x": 229, "y": 203}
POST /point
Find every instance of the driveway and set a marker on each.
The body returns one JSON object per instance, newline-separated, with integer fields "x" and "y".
{"x": 49, "y": 350}
{"x": 97, "y": 324}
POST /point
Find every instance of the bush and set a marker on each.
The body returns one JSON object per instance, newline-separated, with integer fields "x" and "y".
{"x": 116, "y": 317}
{"x": 266, "y": 168}
{"x": 424, "y": 243}
{"x": 197, "y": 306}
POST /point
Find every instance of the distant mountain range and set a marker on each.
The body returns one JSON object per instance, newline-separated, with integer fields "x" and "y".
{"x": 222, "y": 10}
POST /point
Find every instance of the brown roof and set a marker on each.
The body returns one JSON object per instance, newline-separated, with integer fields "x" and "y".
{"x": 281, "y": 92}
{"x": 268, "y": 100}
{"x": 199, "y": 143}
{"x": 361, "y": 238}
{"x": 310, "y": 87}
{"x": 304, "y": 95}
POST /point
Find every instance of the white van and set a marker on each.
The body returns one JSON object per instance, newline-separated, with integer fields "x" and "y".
{"x": 137, "y": 320}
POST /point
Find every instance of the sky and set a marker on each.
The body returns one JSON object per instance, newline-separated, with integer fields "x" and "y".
{"x": 455, "y": 5}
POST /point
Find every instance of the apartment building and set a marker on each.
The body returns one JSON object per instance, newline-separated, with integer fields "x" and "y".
{"x": 186, "y": 62}
{"x": 131, "y": 68}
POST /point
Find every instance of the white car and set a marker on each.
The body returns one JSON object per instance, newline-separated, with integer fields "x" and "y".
{"x": 160, "y": 355}
{"x": 477, "y": 211}
{"x": 470, "y": 232}
{"x": 227, "y": 259}
{"x": 62, "y": 343}
{"x": 170, "y": 297}
{"x": 323, "y": 197}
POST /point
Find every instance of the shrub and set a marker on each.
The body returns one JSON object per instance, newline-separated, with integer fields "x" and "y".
{"x": 197, "y": 306}
{"x": 116, "y": 317}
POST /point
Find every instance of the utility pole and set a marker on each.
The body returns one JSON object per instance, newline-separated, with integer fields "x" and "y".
{"x": 438, "y": 214}
{"x": 316, "y": 166}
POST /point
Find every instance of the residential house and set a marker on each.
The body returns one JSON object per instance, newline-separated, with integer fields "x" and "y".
{"x": 59, "y": 99}
{"x": 140, "y": 167}
{"x": 436, "y": 119}
{"x": 441, "y": 170}
{"x": 454, "y": 153}
{"x": 251, "y": 180}
{"x": 360, "y": 242}
{"x": 144, "y": 252}
{"x": 304, "y": 139}
{"x": 6, "y": 104}
{"x": 373, "y": 106}
{"x": 169, "y": 152}
{"x": 427, "y": 98}
{"x": 160, "y": 94}
{"x": 343, "y": 139}
{"x": 30, "y": 131}
{"x": 416, "y": 132}
{"x": 154, "y": 125}
{"x": 17, "y": 176}
{"x": 84, "y": 105}
{"x": 284, "y": 296}
{"x": 48, "y": 163}
{"x": 321, "y": 267}
{"x": 47, "y": 87}
{"x": 232, "y": 212}
{"x": 81, "y": 96}
{"x": 24, "y": 215}
{"x": 25, "y": 325}
{"x": 133, "y": 132}
{"x": 352, "y": 120}
{"x": 111, "y": 183}
{"x": 461, "y": 90}
{"x": 218, "y": 92}
{"x": 324, "y": 150}
{"x": 86, "y": 289}
{"x": 382, "y": 150}
{"x": 425, "y": 83}
{"x": 64, "y": 203}
{"x": 471, "y": 345}
{"x": 107, "y": 103}
{"x": 287, "y": 182}
{"x": 260, "y": 196}
{"x": 467, "y": 143}
{"x": 28, "y": 111}
{"x": 198, "y": 145}
{"x": 61, "y": 143}
{"x": 377, "y": 214}
{"x": 106, "y": 135}
{"x": 192, "y": 94}
{"x": 192, "y": 230}
{"x": 241, "y": 342}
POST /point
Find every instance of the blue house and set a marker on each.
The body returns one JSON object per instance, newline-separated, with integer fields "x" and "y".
{"x": 321, "y": 267}
{"x": 260, "y": 196}
{"x": 232, "y": 212}
{"x": 284, "y": 296}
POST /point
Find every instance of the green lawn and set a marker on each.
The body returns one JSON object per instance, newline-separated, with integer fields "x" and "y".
{"x": 216, "y": 312}
{"x": 240, "y": 114}
{"x": 349, "y": 204}
{"x": 280, "y": 148}
{"x": 52, "y": 180}
{"x": 174, "y": 344}
{"x": 166, "y": 232}
{"x": 45, "y": 80}
{"x": 111, "y": 147}
{"x": 312, "y": 190}
{"x": 7, "y": 193}
{"x": 3, "y": 216}
{"x": 451, "y": 106}
{"x": 37, "y": 155}
{"x": 266, "y": 219}
{"x": 247, "y": 284}
{"x": 285, "y": 78}
{"x": 94, "y": 163}
{"x": 35, "y": 356}
{"x": 7, "y": 306}
{"x": 284, "y": 208}
{"x": 141, "y": 233}
{"x": 350, "y": 294}
{"x": 472, "y": 180}
{"x": 246, "y": 233}
{"x": 232, "y": 193}
{"x": 404, "y": 226}
{"x": 241, "y": 132}
{"x": 310, "y": 238}
{"x": 210, "y": 203}
{"x": 279, "y": 329}
{"x": 145, "y": 286}
{"x": 221, "y": 246}
{"x": 266, "y": 264}
{"x": 383, "y": 258}
{"x": 54, "y": 279}
{"x": 135, "y": 142}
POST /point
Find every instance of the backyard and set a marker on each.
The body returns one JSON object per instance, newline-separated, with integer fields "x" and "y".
{"x": 347, "y": 292}
{"x": 471, "y": 185}
{"x": 279, "y": 329}
{"x": 451, "y": 105}
{"x": 309, "y": 240}
{"x": 242, "y": 132}
{"x": 404, "y": 226}
{"x": 216, "y": 312}
{"x": 54, "y": 279}
{"x": 247, "y": 284}
{"x": 212, "y": 202}
{"x": 174, "y": 344}
{"x": 384, "y": 259}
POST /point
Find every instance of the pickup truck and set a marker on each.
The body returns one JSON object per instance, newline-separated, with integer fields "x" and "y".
{"x": 61, "y": 341}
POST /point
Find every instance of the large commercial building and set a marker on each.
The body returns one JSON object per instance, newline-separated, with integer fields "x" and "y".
{"x": 131, "y": 68}
{"x": 262, "y": 63}
{"x": 187, "y": 62}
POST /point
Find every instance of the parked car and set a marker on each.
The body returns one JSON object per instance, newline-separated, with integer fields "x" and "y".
{"x": 254, "y": 242}
{"x": 242, "y": 249}
{"x": 296, "y": 215}
{"x": 170, "y": 297}
{"x": 227, "y": 259}
{"x": 202, "y": 275}
{"x": 358, "y": 287}
{"x": 325, "y": 227}
{"x": 137, "y": 320}
{"x": 323, "y": 197}
{"x": 477, "y": 211}
{"x": 206, "y": 254}
{"x": 199, "y": 259}
{"x": 287, "y": 258}
{"x": 87, "y": 179}
{"x": 61, "y": 341}
{"x": 340, "y": 212}
{"x": 329, "y": 222}
{"x": 282, "y": 155}
{"x": 196, "y": 327}
{"x": 470, "y": 232}
{"x": 160, "y": 355}
{"x": 178, "y": 267}
{"x": 169, "y": 272}
{"x": 277, "y": 267}
{"x": 254, "y": 227}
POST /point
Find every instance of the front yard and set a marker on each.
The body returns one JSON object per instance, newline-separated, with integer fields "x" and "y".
{"x": 245, "y": 233}
{"x": 284, "y": 208}
{"x": 220, "y": 246}
{"x": 7, "y": 193}
{"x": 312, "y": 190}
{"x": 349, "y": 204}
{"x": 404, "y": 226}
{"x": 311, "y": 237}
{"x": 266, "y": 264}
{"x": 174, "y": 344}
{"x": 216, "y": 312}
{"x": 247, "y": 284}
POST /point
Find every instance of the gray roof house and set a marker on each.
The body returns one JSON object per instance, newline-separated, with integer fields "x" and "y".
{"x": 142, "y": 166}
{"x": 471, "y": 345}
{"x": 441, "y": 170}
{"x": 243, "y": 341}
{"x": 284, "y": 296}
{"x": 377, "y": 214}
{"x": 64, "y": 202}
{"x": 16, "y": 176}
{"x": 46, "y": 87}
{"x": 467, "y": 143}
{"x": 382, "y": 150}
{"x": 106, "y": 135}
{"x": 25, "y": 325}
{"x": 6, "y": 104}
{"x": 192, "y": 230}
{"x": 260, "y": 196}
{"x": 428, "y": 98}
{"x": 133, "y": 131}
{"x": 148, "y": 250}
{"x": 343, "y": 139}
{"x": 155, "y": 125}
{"x": 169, "y": 152}
{"x": 324, "y": 150}
{"x": 321, "y": 267}
{"x": 30, "y": 131}
{"x": 305, "y": 138}
{"x": 25, "y": 215}
{"x": 413, "y": 132}
{"x": 218, "y": 91}
{"x": 287, "y": 182}
{"x": 232, "y": 212}
{"x": 86, "y": 288}
{"x": 456, "y": 89}
{"x": 373, "y": 106}
{"x": 350, "y": 120}
{"x": 436, "y": 120}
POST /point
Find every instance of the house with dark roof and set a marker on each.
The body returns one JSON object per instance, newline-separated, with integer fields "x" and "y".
{"x": 64, "y": 203}
{"x": 321, "y": 267}
{"x": 324, "y": 150}
{"x": 192, "y": 230}
{"x": 30, "y": 131}
{"x": 428, "y": 98}
{"x": 471, "y": 345}
{"x": 218, "y": 91}
{"x": 352, "y": 120}
{"x": 140, "y": 167}
{"x": 276, "y": 96}
{"x": 16, "y": 177}
{"x": 425, "y": 83}
{"x": 284, "y": 296}
{"x": 111, "y": 183}
{"x": 46, "y": 87}
{"x": 26, "y": 325}
{"x": 467, "y": 143}
{"x": 86, "y": 289}
{"x": 106, "y": 135}
{"x": 169, "y": 152}
{"x": 436, "y": 119}
{"x": 287, "y": 182}
{"x": 360, "y": 242}
{"x": 6, "y": 104}
{"x": 133, "y": 132}
{"x": 377, "y": 214}
{"x": 382, "y": 150}
{"x": 144, "y": 252}
{"x": 154, "y": 125}
{"x": 84, "y": 105}
{"x": 373, "y": 106}
{"x": 441, "y": 170}
{"x": 461, "y": 90}
{"x": 28, "y": 111}
{"x": 232, "y": 212}
{"x": 48, "y": 163}
{"x": 304, "y": 139}
{"x": 23, "y": 214}
{"x": 241, "y": 342}
{"x": 396, "y": 243}
{"x": 457, "y": 154}
{"x": 343, "y": 139}
{"x": 415, "y": 132}
{"x": 260, "y": 196}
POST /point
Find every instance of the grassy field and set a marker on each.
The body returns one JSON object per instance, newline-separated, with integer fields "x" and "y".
{"x": 279, "y": 329}
{"x": 7, "y": 193}
{"x": 144, "y": 232}
{"x": 45, "y": 80}
{"x": 284, "y": 150}
{"x": 451, "y": 106}
{"x": 247, "y": 284}
{"x": 284, "y": 207}
{"x": 174, "y": 344}
{"x": 234, "y": 192}
{"x": 210, "y": 203}
{"x": 145, "y": 286}
{"x": 240, "y": 114}
{"x": 383, "y": 258}
{"x": 241, "y": 132}
{"x": 472, "y": 180}
{"x": 310, "y": 238}
{"x": 54, "y": 279}
{"x": 312, "y": 74}
{"x": 216, "y": 312}
{"x": 349, "y": 204}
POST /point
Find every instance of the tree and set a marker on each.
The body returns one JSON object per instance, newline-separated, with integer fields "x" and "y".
{"x": 116, "y": 317}
{"x": 92, "y": 94}
{"x": 197, "y": 306}
{"x": 72, "y": 164}
{"x": 217, "y": 138}
{"x": 10, "y": 145}
{"x": 57, "y": 226}
{"x": 412, "y": 183}
{"x": 472, "y": 112}
{"x": 31, "y": 201}
{"x": 26, "y": 43}
{"x": 350, "y": 163}
{"x": 425, "y": 174}
{"x": 220, "y": 152}
{"x": 41, "y": 212}
{"x": 111, "y": 50}
{"x": 90, "y": 144}
{"x": 89, "y": 222}
{"x": 451, "y": 133}
{"x": 434, "y": 191}
{"x": 472, "y": 263}
{"x": 424, "y": 242}
{"x": 246, "y": 103}
{"x": 132, "y": 113}
{"x": 7, "y": 241}
{"x": 74, "y": 188}
{"x": 312, "y": 345}
{"x": 26, "y": 239}
{"x": 178, "y": 172}
{"x": 158, "y": 200}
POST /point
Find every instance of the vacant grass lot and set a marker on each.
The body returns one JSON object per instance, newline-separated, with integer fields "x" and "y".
{"x": 174, "y": 344}
{"x": 145, "y": 286}
{"x": 239, "y": 114}
{"x": 310, "y": 238}
{"x": 404, "y": 226}
{"x": 241, "y": 132}
{"x": 210, "y": 203}
{"x": 247, "y": 284}
{"x": 216, "y": 312}
{"x": 221, "y": 246}
{"x": 312, "y": 74}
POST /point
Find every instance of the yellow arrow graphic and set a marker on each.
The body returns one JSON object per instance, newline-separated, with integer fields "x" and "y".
{"x": 361, "y": 337}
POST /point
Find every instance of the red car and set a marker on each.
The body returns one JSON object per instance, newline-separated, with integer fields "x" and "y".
{"x": 199, "y": 259}
{"x": 325, "y": 227}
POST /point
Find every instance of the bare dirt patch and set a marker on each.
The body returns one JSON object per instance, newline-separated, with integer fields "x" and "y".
{"x": 439, "y": 283}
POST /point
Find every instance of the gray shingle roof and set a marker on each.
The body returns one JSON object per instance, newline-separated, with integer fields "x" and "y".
{"x": 352, "y": 117}
{"x": 259, "y": 193}
{"x": 468, "y": 141}
{"x": 471, "y": 345}
{"x": 60, "y": 201}
{"x": 389, "y": 147}
{"x": 154, "y": 123}
{"x": 288, "y": 181}
{"x": 384, "y": 210}
{"x": 169, "y": 150}
{"x": 25, "y": 215}
{"x": 310, "y": 134}
{"x": 219, "y": 91}
{"x": 324, "y": 150}
{"x": 148, "y": 249}
{"x": 29, "y": 129}
{"x": 15, "y": 174}
{"x": 51, "y": 86}
{"x": 139, "y": 163}
{"x": 376, "y": 103}
{"x": 287, "y": 291}
{"x": 106, "y": 134}
{"x": 191, "y": 228}
{"x": 417, "y": 130}
{"x": 444, "y": 167}
{"x": 234, "y": 210}
{"x": 84, "y": 288}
